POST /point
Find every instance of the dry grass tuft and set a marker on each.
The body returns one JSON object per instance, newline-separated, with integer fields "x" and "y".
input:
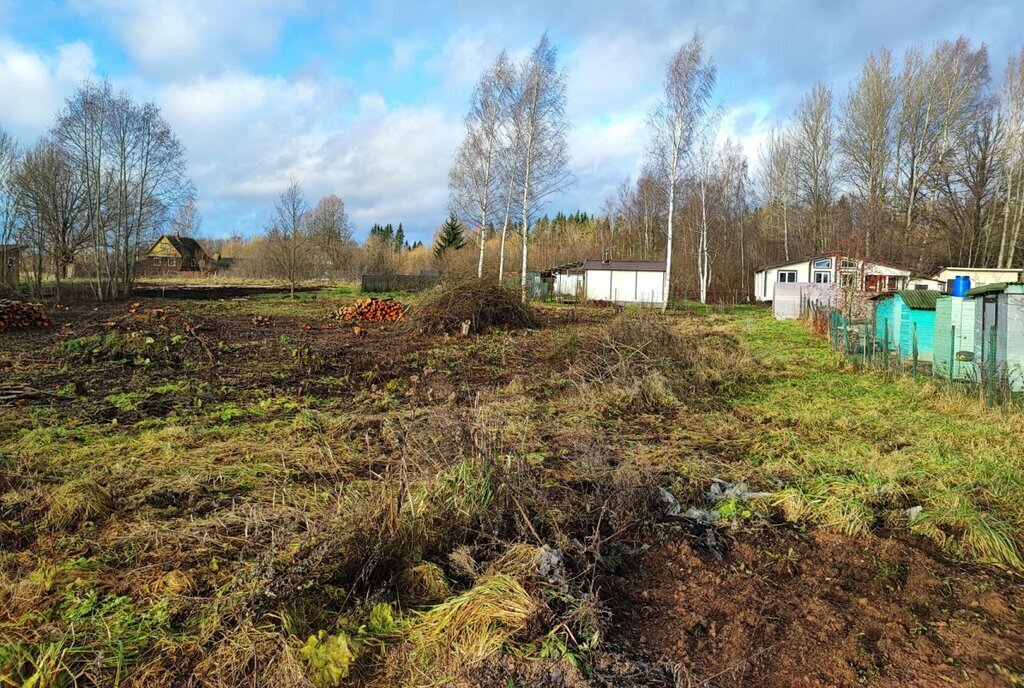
{"x": 76, "y": 502}
{"x": 465, "y": 630}
{"x": 423, "y": 584}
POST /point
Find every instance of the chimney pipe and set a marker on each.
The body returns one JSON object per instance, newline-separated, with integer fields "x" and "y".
{"x": 607, "y": 256}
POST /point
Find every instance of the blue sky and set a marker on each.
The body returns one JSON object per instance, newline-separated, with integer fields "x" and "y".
{"x": 366, "y": 99}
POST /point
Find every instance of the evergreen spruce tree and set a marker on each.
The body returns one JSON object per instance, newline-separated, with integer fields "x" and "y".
{"x": 449, "y": 238}
{"x": 400, "y": 239}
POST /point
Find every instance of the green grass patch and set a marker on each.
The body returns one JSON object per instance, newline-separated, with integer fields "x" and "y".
{"x": 856, "y": 450}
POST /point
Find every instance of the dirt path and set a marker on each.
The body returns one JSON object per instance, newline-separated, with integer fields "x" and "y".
{"x": 817, "y": 609}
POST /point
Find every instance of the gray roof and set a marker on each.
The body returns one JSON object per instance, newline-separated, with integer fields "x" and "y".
{"x": 626, "y": 265}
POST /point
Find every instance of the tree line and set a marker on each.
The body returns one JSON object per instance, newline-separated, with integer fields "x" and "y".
{"x": 106, "y": 177}
{"x": 920, "y": 161}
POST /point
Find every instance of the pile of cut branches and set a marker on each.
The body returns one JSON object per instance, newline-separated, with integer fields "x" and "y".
{"x": 484, "y": 305}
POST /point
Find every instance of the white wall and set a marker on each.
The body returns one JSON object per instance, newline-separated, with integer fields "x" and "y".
{"x": 650, "y": 287}
{"x": 803, "y": 274}
{"x": 979, "y": 276}
{"x": 570, "y": 285}
{"x": 625, "y": 286}
{"x": 599, "y": 285}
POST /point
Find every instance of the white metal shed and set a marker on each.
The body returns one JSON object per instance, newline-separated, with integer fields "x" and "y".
{"x": 625, "y": 281}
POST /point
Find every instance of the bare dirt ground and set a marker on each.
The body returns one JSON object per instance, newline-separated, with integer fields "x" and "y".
{"x": 786, "y": 608}
{"x": 787, "y": 604}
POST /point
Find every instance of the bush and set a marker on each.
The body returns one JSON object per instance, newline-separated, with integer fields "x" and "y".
{"x": 484, "y": 304}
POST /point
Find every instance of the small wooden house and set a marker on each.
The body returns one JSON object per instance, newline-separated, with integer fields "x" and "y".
{"x": 175, "y": 254}
{"x": 999, "y": 330}
{"x": 907, "y": 318}
{"x": 954, "y": 338}
{"x": 10, "y": 264}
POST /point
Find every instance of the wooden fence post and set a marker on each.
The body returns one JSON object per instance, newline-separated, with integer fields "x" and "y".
{"x": 992, "y": 366}
{"x": 914, "y": 351}
{"x": 885, "y": 346}
{"x": 952, "y": 354}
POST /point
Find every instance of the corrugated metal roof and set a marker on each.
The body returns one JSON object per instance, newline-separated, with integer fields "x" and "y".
{"x": 919, "y": 299}
{"x": 989, "y": 288}
{"x": 638, "y": 265}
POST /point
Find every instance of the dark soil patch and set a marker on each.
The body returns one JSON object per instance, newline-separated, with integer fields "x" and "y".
{"x": 819, "y": 609}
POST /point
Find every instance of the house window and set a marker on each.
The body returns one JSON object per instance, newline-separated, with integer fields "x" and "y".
{"x": 822, "y": 277}
{"x": 823, "y": 264}
{"x": 787, "y": 275}
{"x": 848, "y": 264}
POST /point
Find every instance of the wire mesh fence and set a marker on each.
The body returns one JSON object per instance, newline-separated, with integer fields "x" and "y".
{"x": 897, "y": 349}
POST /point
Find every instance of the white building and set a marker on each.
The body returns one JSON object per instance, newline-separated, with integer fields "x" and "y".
{"x": 980, "y": 277}
{"x": 830, "y": 268}
{"x": 566, "y": 280}
{"x": 624, "y": 281}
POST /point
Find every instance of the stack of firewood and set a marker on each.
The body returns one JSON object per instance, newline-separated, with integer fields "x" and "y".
{"x": 20, "y": 314}
{"x": 374, "y": 310}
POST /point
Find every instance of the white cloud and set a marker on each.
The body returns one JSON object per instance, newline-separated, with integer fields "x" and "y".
{"x": 464, "y": 57}
{"x": 191, "y": 35}
{"x": 610, "y": 72}
{"x": 35, "y": 85}
{"x": 249, "y": 135}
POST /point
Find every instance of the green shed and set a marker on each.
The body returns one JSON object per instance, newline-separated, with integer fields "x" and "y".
{"x": 999, "y": 313}
{"x": 905, "y": 314}
{"x": 954, "y": 338}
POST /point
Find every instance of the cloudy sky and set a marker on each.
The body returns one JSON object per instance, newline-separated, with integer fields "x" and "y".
{"x": 365, "y": 99}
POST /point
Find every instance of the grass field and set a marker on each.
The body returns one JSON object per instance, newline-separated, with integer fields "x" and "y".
{"x": 206, "y": 497}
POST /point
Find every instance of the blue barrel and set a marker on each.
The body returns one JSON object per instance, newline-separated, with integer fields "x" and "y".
{"x": 961, "y": 285}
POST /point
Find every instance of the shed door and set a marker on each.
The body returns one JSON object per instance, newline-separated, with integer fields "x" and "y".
{"x": 989, "y": 319}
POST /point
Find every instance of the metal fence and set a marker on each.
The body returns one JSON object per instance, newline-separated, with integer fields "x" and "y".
{"x": 869, "y": 344}
{"x": 386, "y": 283}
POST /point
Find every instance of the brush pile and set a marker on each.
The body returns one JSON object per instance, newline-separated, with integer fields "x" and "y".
{"x": 14, "y": 314}
{"x": 484, "y": 305}
{"x": 374, "y": 310}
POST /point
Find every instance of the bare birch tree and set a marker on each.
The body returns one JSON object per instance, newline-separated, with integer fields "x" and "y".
{"x": 330, "y": 231}
{"x": 1011, "y": 125}
{"x": 814, "y": 158}
{"x": 778, "y": 184}
{"x": 474, "y": 179}
{"x": 867, "y": 140}
{"x": 689, "y": 83}
{"x": 132, "y": 169}
{"x": 707, "y": 181}
{"x": 543, "y": 152}
{"x": 939, "y": 94}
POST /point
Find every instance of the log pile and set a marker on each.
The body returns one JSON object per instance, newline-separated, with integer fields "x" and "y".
{"x": 374, "y": 310}
{"x": 15, "y": 314}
